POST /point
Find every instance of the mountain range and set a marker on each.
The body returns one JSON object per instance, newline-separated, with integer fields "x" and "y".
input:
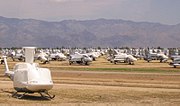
{"x": 16, "y": 32}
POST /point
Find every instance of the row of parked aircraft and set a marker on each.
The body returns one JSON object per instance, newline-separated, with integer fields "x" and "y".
{"x": 86, "y": 56}
{"x": 28, "y": 77}
{"x": 47, "y": 55}
{"x": 41, "y": 55}
{"x": 122, "y": 55}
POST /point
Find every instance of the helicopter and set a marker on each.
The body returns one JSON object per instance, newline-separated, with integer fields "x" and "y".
{"x": 28, "y": 77}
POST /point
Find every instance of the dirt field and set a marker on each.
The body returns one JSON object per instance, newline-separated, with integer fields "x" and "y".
{"x": 78, "y": 87}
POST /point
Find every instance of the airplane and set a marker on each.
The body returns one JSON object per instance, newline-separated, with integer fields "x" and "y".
{"x": 176, "y": 62}
{"x": 172, "y": 57}
{"x": 17, "y": 55}
{"x": 28, "y": 77}
{"x": 43, "y": 57}
{"x": 94, "y": 55}
{"x": 156, "y": 56}
{"x": 120, "y": 56}
{"x": 80, "y": 59}
{"x": 57, "y": 56}
{"x": 123, "y": 57}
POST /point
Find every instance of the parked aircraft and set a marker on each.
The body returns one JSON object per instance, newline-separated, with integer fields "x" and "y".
{"x": 58, "y": 56}
{"x": 80, "y": 59}
{"x": 172, "y": 57}
{"x": 28, "y": 77}
{"x": 123, "y": 57}
{"x": 17, "y": 55}
{"x": 156, "y": 56}
{"x": 176, "y": 62}
{"x": 94, "y": 55}
{"x": 43, "y": 57}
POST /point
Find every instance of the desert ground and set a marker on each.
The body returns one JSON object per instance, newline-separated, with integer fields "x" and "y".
{"x": 103, "y": 83}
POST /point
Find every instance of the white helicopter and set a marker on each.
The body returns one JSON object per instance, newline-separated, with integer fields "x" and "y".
{"x": 28, "y": 77}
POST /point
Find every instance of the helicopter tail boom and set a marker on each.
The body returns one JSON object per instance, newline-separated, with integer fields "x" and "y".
{"x": 8, "y": 73}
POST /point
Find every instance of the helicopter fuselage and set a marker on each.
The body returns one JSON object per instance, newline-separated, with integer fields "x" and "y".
{"x": 30, "y": 78}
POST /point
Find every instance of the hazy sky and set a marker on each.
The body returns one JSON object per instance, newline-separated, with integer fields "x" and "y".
{"x": 161, "y": 11}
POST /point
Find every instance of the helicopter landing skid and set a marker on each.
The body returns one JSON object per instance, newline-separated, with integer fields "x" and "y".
{"x": 18, "y": 96}
{"x": 46, "y": 95}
